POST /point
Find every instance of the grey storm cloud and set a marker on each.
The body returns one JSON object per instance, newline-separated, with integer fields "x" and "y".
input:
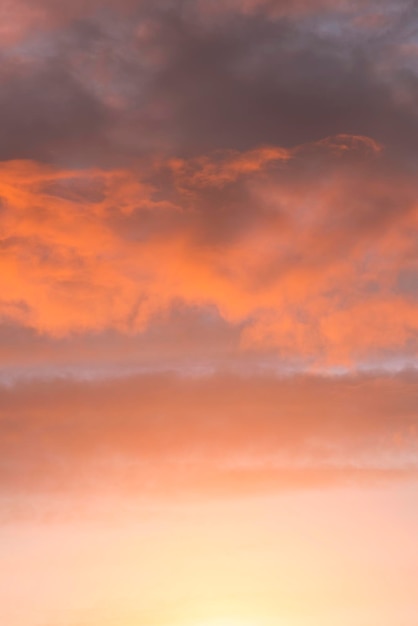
{"x": 105, "y": 85}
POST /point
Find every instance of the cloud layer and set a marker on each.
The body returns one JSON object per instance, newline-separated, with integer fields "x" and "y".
{"x": 150, "y": 433}
{"x": 105, "y": 82}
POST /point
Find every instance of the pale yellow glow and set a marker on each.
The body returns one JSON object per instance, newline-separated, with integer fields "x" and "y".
{"x": 225, "y": 620}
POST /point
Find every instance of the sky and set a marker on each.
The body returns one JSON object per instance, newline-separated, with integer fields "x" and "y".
{"x": 208, "y": 312}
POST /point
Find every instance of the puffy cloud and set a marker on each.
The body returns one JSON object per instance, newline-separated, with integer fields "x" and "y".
{"x": 304, "y": 248}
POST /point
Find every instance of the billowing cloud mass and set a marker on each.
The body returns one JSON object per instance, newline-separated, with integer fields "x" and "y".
{"x": 302, "y": 247}
{"x": 205, "y": 189}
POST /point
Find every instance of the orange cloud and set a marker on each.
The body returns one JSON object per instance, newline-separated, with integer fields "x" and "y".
{"x": 306, "y": 248}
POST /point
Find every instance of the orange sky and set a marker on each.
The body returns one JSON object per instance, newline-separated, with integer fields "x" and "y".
{"x": 208, "y": 313}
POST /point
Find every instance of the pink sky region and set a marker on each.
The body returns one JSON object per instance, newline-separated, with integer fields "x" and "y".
{"x": 208, "y": 313}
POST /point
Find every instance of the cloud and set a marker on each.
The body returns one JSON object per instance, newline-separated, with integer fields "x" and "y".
{"x": 301, "y": 248}
{"x": 103, "y": 83}
{"x": 151, "y": 432}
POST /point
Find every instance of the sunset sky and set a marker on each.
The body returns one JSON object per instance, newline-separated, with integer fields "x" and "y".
{"x": 208, "y": 313}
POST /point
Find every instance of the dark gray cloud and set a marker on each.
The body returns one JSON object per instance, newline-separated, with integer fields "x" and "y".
{"x": 106, "y": 86}
{"x": 46, "y": 115}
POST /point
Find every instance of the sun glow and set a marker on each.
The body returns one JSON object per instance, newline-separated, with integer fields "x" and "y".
{"x": 227, "y": 621}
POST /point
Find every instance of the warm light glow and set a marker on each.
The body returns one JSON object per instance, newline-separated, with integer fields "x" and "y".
{"x": 208, "y": 313}
{"x": 225, "y": 622}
